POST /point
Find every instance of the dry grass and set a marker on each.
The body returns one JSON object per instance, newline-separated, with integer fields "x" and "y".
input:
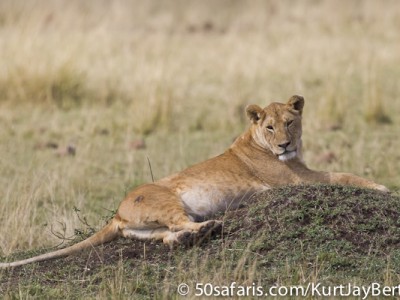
{"x": 323, "y": 234}
{"x": 100, "y": 75}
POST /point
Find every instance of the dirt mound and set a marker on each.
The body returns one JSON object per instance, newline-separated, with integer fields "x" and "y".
{"x": 348, "y": 229}
{"x": 341, "y": 232}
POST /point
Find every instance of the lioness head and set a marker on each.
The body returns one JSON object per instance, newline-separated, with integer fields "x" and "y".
{"x": 277, "y": 127}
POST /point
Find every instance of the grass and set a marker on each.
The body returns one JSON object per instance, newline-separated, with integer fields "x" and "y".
{"x": 101, "y": 78}
{"x": 289, "y": 236}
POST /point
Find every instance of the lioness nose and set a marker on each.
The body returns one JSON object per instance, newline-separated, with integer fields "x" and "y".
{"x": 284, "y": 145}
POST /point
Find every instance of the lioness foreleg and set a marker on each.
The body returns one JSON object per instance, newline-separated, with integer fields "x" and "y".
{"x": 350, "y": 179}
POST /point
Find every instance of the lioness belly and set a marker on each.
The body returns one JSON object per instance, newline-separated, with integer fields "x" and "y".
{"x": 206, "y": 190}
{"x": 204, "y": 200}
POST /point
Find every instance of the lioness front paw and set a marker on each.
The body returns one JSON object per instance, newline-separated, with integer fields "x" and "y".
{"x": 381, "y": 188}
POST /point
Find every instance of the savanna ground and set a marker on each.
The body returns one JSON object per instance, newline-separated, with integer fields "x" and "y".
{"x": 91, "y": 91}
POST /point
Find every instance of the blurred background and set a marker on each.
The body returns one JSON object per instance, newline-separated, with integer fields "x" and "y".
{"x": 91, "y": 91}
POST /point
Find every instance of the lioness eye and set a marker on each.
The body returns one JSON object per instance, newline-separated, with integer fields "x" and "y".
{"x": 270, "y": 128}
{"x": 289, "y": 123}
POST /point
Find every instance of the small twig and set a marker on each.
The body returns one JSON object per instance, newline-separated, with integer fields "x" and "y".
{"x": 59, "y": 235}
{"x": 151, "y": 170}
{"x": 84, "y": 220}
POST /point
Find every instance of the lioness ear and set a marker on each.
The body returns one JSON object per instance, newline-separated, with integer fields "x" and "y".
{"x": 296, "y": 103}
{"x": 254, "y": 113}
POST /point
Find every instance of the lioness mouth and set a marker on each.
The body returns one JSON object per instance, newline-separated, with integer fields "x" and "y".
{"x": 287, "y": 155}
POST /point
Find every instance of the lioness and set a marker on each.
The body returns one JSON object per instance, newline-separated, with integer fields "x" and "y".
{"x": 175, "y": 209}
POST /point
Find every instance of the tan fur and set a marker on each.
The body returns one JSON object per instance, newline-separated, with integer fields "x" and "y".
{"x": 174, "y": 209}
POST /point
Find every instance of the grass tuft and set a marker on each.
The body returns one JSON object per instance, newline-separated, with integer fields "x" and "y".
{"x": 376, "y": 112}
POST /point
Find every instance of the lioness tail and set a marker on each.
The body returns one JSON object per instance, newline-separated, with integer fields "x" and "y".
{"x": 107, "y": 234}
